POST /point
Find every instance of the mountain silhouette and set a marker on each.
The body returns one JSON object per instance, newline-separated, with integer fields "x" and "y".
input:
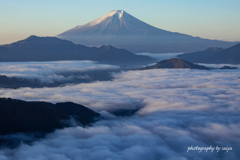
{"x": 215, "y": 55}
{"x": 175, "y": 63}
{"x": 228, "y": 67}
{"x": 53, "y": 49}
{"x": 35, "y": 119}
{"x": 120, "y": 29}
{"x": 21, "y": 116}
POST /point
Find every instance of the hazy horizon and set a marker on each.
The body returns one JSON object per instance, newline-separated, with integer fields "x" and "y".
{"x": 206, "y": 19}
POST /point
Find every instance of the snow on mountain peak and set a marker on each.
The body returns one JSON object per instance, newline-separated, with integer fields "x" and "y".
{"x": 113, "y": 13}
{"x": 118, "y": 28}
{"x": 119, "y": 12}
{"x": 115, "y": 22}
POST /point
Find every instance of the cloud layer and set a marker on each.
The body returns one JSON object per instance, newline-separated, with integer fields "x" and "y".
{"x": 163, "y": 135}
{"x": 161, "y": 89}
{"x": 179, "y": 108}
{"x": 48, "y": 72}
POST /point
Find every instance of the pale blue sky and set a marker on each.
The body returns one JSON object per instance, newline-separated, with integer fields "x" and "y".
{"x": 213, "y": 19}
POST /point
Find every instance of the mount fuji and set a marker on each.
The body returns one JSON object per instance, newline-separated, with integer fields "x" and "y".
{"x": 120, "y": 29}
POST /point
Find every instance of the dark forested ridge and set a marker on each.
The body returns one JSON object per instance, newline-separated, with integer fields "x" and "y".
{"x": 21, "y": 116}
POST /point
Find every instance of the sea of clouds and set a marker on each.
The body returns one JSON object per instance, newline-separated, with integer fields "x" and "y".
{"x": 48, "y": 72}
{"x": 178, "y": 108}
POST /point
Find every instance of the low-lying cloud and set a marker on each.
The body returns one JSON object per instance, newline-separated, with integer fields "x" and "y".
{"x": 161, "y": 89}
{"x": 47, "y": 72}
{"x": 179, "y": 108}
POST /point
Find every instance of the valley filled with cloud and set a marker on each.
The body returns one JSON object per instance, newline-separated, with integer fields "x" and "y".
{"x": 175, "y": 109}
{"x": 48, "y": 72}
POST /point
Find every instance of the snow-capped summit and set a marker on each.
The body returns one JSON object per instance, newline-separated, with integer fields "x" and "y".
{"x": 116, "y": 22}
{"x": 120, "y": 29}
{"x": 118, "y": 14}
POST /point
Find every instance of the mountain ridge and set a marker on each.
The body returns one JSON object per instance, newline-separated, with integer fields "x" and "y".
{"x": 35, "y": 119}
{"x": 229, "y": 55}
{"x": 175, "y": 63}
{"x": 36, "y": 48}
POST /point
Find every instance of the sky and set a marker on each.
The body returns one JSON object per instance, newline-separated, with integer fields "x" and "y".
{"x": 212, "y": 19}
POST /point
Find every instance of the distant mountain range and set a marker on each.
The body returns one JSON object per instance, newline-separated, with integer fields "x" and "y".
{"x": 214, "y": 55}
{"x": 175, "y": 63}
{"x": 122, "y": 30}
{"x": 53, "y": 49}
